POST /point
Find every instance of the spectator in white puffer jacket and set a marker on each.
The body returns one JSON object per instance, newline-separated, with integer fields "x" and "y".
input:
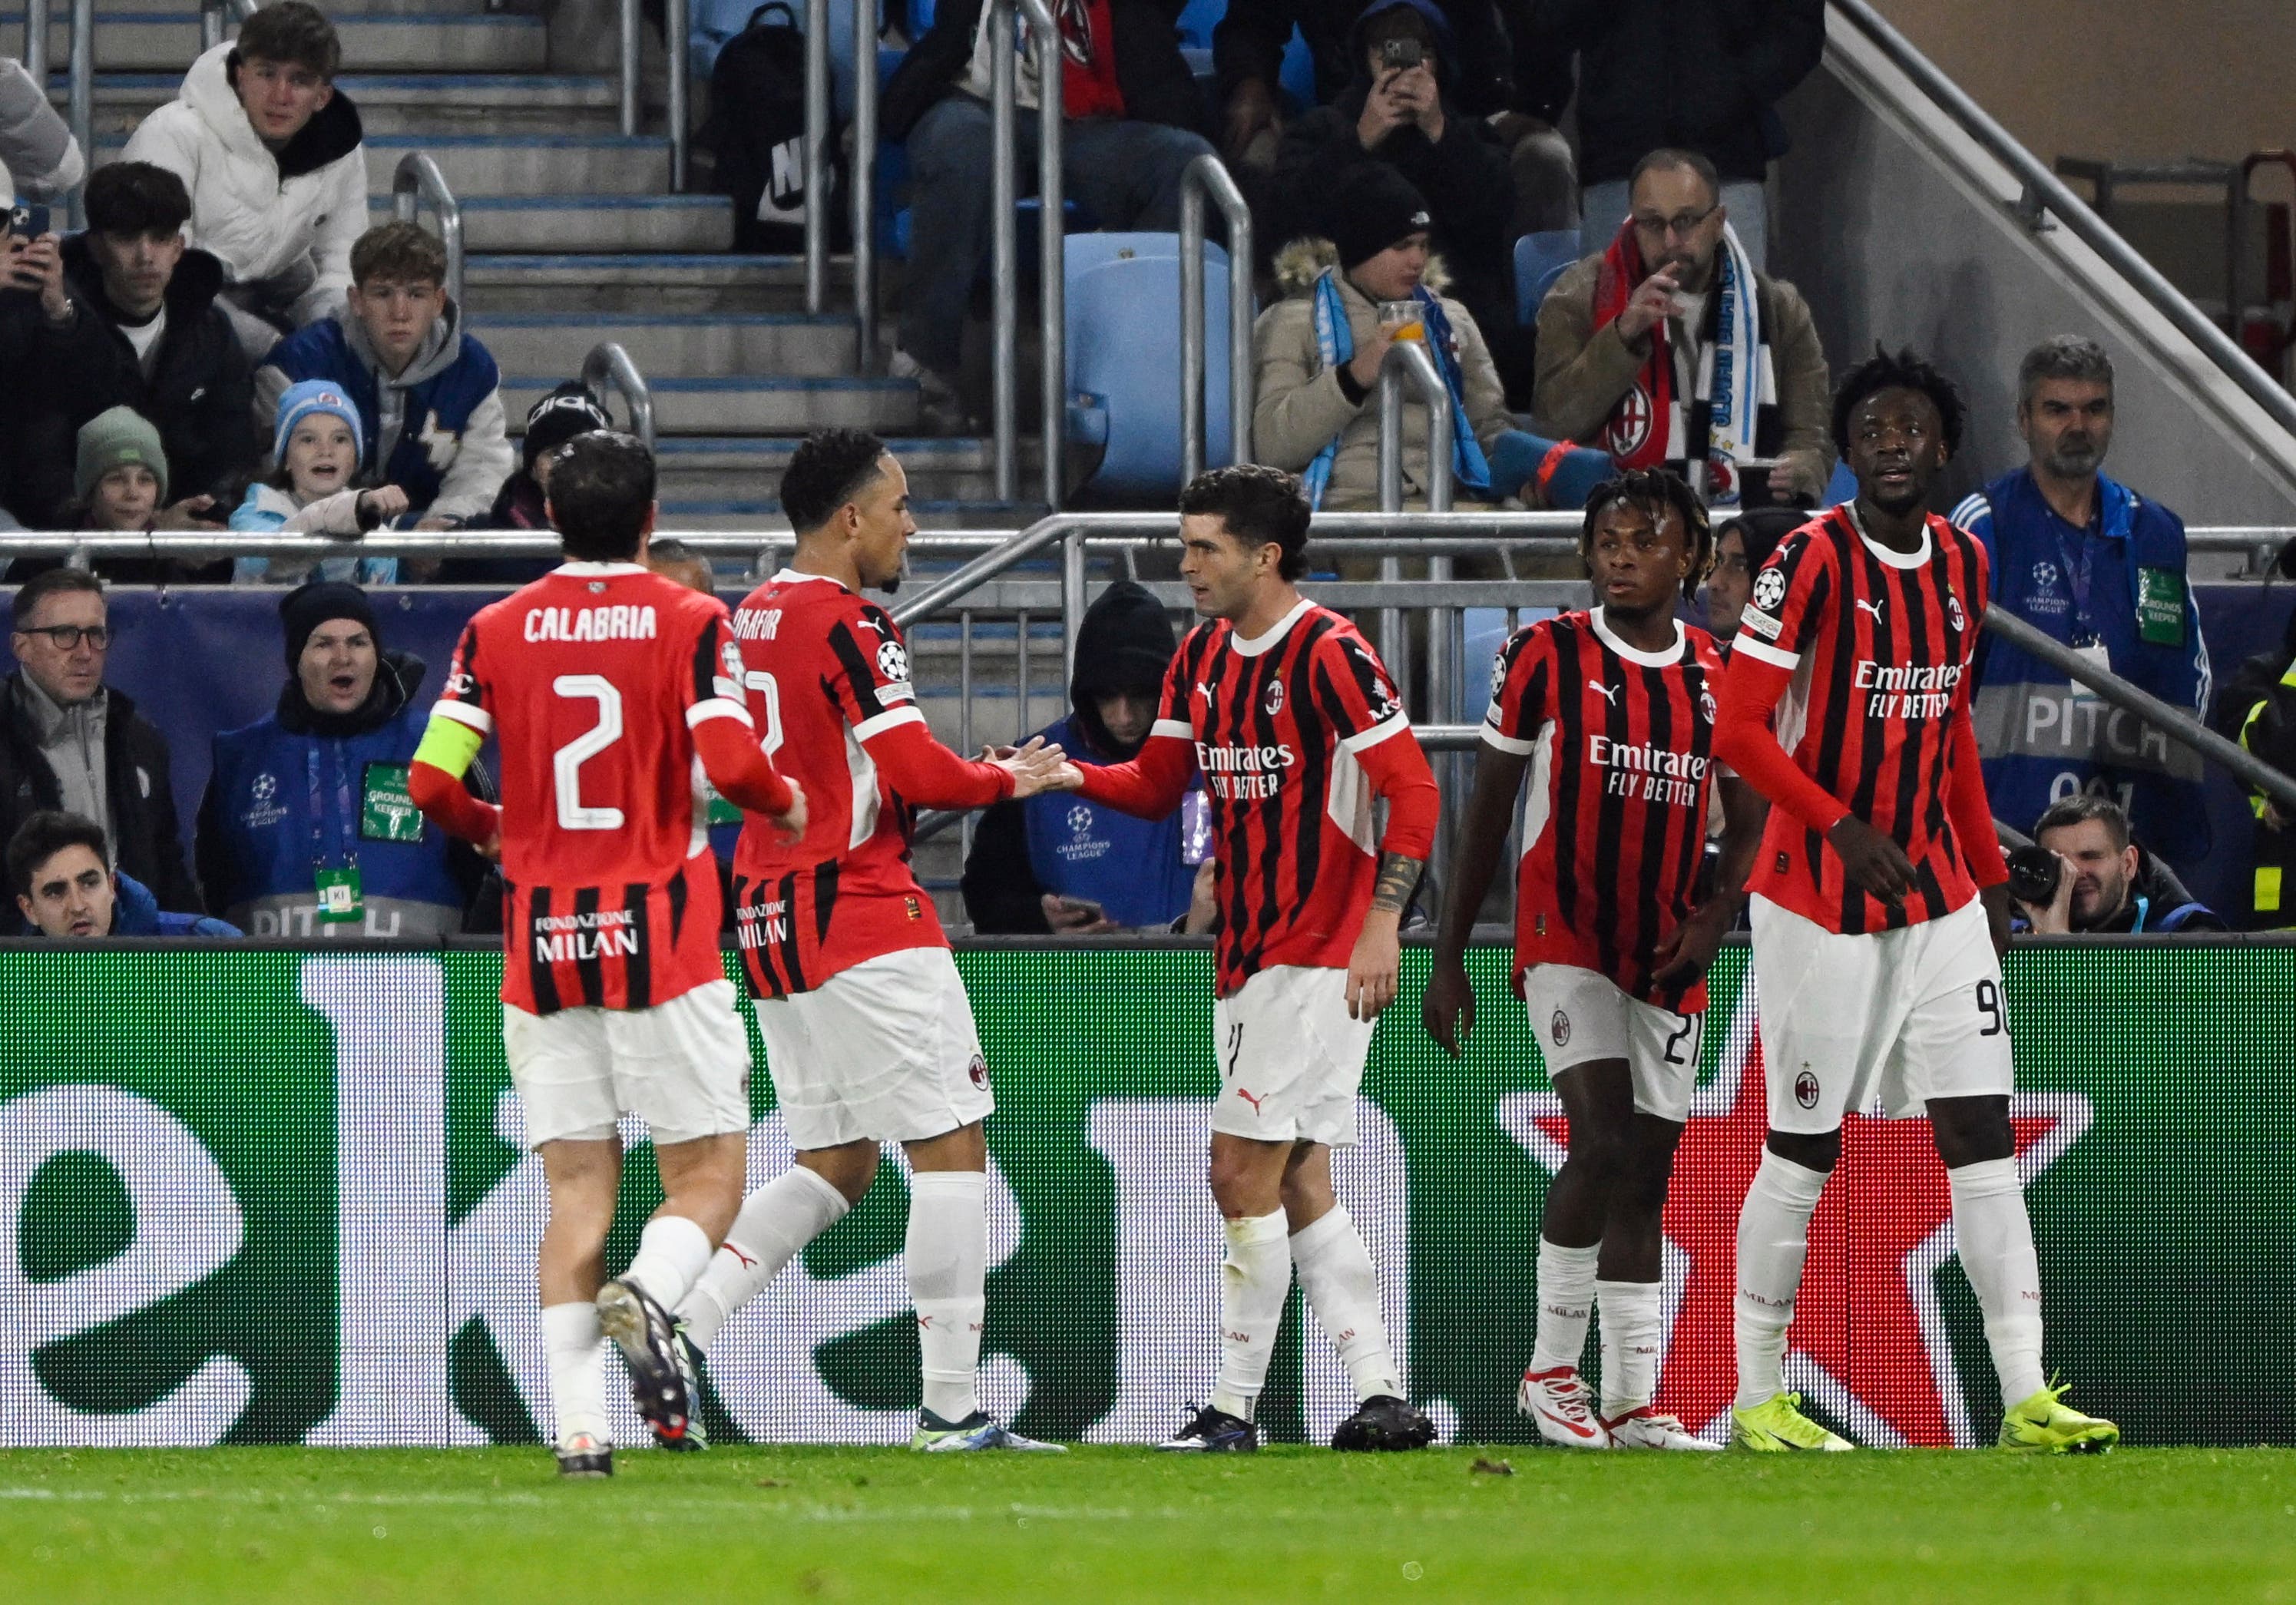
{"x": 270, "y": 153}
{"x": 39, "y": 159}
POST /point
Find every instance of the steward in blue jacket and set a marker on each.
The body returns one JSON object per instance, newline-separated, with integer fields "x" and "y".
{"x": 306, "y": 830}
{"x": 2116, "y": 588}
{"x": 1057, "y": 845}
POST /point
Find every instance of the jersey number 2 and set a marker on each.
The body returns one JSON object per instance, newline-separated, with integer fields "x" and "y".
{"x": 566, "y": 763}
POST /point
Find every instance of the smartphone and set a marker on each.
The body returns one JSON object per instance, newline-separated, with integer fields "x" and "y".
{"x": 28, "y": 223}
{"x": 1400, "y": 52}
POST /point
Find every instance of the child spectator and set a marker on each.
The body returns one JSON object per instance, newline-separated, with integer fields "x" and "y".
{"x": 271, "y": 155}
{"x": 313, "y": 491}
{"x": 119, "y": 481}
{"x": 429, "y": 395}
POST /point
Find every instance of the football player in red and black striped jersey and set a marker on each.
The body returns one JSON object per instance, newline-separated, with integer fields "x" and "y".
{"x": 1612, "y": 711}
{"x": 1880, "y": 901}
{"x": 604, "y": 684}
{"x": 1292, "y": 721}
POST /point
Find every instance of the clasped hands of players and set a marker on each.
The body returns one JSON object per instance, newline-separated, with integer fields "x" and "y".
{"x": 1036, "y": 767}
{"x": 1875, "y": 862}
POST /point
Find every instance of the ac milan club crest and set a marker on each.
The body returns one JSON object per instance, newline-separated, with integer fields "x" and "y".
{"x": 1630, "y": 423}
{"x": 1806, "y": 1090}
{"x": 1559, "y": 1027}
{"x": 978, "y": 1070}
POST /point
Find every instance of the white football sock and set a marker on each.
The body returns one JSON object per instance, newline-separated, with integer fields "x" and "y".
{"x": 776, "y": 1221}
{"x": 1773, "y": 1241}
{"x": 1566, "y": 1300}
{"x": 1255, "y": 1279}
{"x": 1995, "y": 1236}
{"x": 1336, "y": 1274}
{"x": 672, "y": 1254}
{"x": 947, "y": 1255}
{"x": 1631, "y": 1328}
{"x": 572, "y": 1338}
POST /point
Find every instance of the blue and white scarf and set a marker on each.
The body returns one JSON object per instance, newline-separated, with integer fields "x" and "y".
{"x": 1335, "y": 346}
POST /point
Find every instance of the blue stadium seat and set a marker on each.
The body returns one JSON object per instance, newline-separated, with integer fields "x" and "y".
{"x": 1123, "y": 319}
{"x": 1297, "y": 77}
{"x": 1196, "y": 20}
{"x": 1540, "y": 260}
{"x": 1842, "y": 487}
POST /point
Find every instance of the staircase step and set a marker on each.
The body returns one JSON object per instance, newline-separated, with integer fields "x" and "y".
{"x": 528, "y": 165}
{"x": 644, "y": 286}
{"x": 168, "y": 41}
{"x": 749, "y": 467}
{"x": 681, "y": 346}
{"x": 755, "y": 407}
{"x": 417, "y": 102}
{"x": 602, "y": 223}
{"x": 765, "y": 516}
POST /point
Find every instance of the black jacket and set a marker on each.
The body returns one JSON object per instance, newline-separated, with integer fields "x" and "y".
{"x": 200, "y": 395}
{"x": 2262, "y": 687}
{"x": 145, "y": 841}
{"x": 1703, "y": 74}
{"x": 2165, "y": 900}
{"x": 30, "y": 345}
{"x": 1124, "y": 642}
{"x": 1152, "y": 75}
{"x": 1250, "y": 39}
{"x": 1465, "y": 179}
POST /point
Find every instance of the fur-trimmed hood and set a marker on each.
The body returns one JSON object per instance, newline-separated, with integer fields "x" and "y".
{"x": 1299, "y": 265}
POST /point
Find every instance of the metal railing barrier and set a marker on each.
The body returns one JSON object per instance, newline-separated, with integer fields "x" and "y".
{"x": 1407, "y": 360}
{"x": 609, "y": 366}
{"x": 863, "y": 184}
{"x": 36, "y": 44}
{"x": 2046, "y": 196}
{"x": 1044, "y": 42}
{"x": 1204, "y": 176}
{"x": 215, "y": 15}
{"x": 80, "y": 100}
{"x": 817, "y": 155}
{"x": 417, "y": 180}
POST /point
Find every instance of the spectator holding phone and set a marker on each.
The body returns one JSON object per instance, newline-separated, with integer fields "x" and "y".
{"x": 1055, "y": 865}
{"x": 36, "y": 314}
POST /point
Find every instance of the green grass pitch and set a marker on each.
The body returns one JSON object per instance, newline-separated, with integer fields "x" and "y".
{"x": 360, "y": 1527}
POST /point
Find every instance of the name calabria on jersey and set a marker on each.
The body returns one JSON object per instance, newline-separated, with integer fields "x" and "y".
{"x": 1880, "y": 897}
{"x": 1292, "y": 722}
{"x": 1611, "y": 712}
{"x": 868, "y": 1033}
{"x": 603, "y": 684}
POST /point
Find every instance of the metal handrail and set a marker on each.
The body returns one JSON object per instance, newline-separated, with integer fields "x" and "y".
{"x": 817, "y": 154}
{"x": 215, "y": 13}
{"x": 1207, "y": 175}
{"x": 1044, "y": 39}
{"x": 35, "y": 43}
{"x": 864, "y": 185}
{"x": 630, "y": 27}
{"x": 80, "y": 102}
{"x": 679, "y": 114}
{"x": 608, "y": 365}
{"x": 2045, "y": 192}
{"x": 417, "y": 180}
{"x": 1406, "y": 361}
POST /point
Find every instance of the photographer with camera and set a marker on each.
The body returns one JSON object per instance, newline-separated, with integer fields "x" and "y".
{"x": 2083, "y": 871}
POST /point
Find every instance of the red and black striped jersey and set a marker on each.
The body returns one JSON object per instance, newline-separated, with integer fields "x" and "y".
{"x": 592, "y": 680}
{"x": 1622, "y": 770}
{"x": 1864, "y": 651}
{"x": 1295, "y": 733}
{"x": 827, "y": 676}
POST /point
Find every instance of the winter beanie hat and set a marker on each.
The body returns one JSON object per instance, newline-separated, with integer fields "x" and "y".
{"x": 119, "y": 437}
{"x": 1370, "y": 209}
{"x": 568, "y": 411}
{"x": 308, "y": 399}
{"x": 308, "y": 607}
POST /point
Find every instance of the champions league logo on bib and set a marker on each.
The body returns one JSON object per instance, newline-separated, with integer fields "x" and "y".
{"x": 1079, "y": 819}
{"x": 1630, "y": 423}
{"x": 264, "y": 793}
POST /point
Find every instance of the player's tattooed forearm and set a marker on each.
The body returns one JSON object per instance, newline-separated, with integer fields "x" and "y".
{"x": 1398, "y": 877}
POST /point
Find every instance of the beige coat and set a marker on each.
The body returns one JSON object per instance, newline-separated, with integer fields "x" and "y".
{"x": 1301, "y": 408}
{"x": 1584, "y": 371}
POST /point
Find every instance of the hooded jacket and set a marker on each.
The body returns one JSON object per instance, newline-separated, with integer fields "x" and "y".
{"x": 197, "y": 395}
{"x": 1151, "y": 73}
{"x": 1464, "y": 177}
{"x": 145, "y": 840}
{"x": 302, "y": 790}
{"x": 1250, "y": 39}
{"x": 1301, "y": 406}
{"x": 1702, "y": 74}
{"x": 436, "y": 431}
{"x": 263, "y": 216}
{"x": 1056, "y": 842}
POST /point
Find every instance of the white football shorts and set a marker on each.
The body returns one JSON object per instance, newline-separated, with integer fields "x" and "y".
{"x": 1904, "y": 1015}
{"x": 1290, "y": 1060}
{"x": 682, "y": 1066}
{"x": 885, "y": 1050}
{"x": 1581, "y": 1016}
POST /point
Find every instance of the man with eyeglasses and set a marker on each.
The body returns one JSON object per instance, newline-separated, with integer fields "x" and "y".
{"x": 70, "y": 743}
{"x": 1670, "y": 348}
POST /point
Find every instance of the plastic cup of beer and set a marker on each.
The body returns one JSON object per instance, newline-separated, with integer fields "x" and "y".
{"x": 1402, "y": 320}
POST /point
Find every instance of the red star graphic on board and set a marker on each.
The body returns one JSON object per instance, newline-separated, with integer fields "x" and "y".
{"x": 1868, "y": 1345}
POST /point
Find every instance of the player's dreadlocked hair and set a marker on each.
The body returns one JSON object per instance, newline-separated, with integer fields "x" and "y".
{"x": 1904, "y": 371}
{"x": 1656, "y": 491}
{"x": 1259, "y": 505}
